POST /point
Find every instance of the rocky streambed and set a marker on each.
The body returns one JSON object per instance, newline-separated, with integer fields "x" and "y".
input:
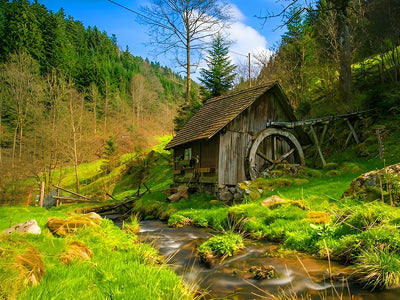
{"x": 236, "y": 277}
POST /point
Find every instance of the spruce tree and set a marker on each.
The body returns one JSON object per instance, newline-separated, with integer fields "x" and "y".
{"x": 220, "y": 72}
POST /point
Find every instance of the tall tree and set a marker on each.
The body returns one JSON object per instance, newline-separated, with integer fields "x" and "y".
{"x": 341, "y": 9}
{"x": 183, "y": 27}
{"x": 219, "y": 75}
{"x": 20, "y": 74}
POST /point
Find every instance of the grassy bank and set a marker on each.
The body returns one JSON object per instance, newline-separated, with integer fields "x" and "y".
{"x": 121, "y": 267}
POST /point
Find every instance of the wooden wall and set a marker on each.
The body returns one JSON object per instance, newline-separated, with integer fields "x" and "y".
{"x": 204, "y": 165}
{"x": 236, "y": 137}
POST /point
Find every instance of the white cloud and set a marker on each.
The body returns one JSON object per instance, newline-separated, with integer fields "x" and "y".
{"x": 245, "y": 39}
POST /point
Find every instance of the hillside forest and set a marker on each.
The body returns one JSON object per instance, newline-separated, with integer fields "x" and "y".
{"x": 66, "y": 90}
{"x": 70, "y": 95}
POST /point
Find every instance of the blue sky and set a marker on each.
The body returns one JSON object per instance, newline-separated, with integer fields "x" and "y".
{"x": 248, "y": 32}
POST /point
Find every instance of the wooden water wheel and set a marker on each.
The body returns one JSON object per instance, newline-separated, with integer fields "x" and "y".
{"x": 270, "y": 148}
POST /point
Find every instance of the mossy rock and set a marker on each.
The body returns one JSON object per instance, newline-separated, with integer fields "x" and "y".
{"x": 77, "y": 251}
{"x": 331, "y": 166}
{"x": 282, "y": 182}
{"x": 263, "y": 272}
{"x": 333, "y": 173}
{"x": 274, "y": 201}
{"x": 313, "y": 173}
{"x": 66, "y": 227}
{"x": 349, "y": 167}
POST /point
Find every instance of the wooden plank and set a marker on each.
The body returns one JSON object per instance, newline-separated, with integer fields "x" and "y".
{"x": 321, "y": 141}
{"x": 176, "y": 172}
{"x": 71, "y": 192}
{"x": 323, "y": 120}
{"x": 206, "y": 170}
{"x": 317, "y": 145}
{"x": 63, "y": 198}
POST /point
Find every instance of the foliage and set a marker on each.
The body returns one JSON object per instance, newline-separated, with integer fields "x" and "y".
{"x": 75, "y": 88}
{"x": 222, "y": 245}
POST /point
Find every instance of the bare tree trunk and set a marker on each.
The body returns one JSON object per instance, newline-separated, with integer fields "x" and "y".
{"x": 20, "y": 141}
{"x": 14, "y": 145}
{"x": 106, "y": 110}
{"x": 1, "y": 134}
{"x": 74, "y": 143}
{"x": 188, "y": 74}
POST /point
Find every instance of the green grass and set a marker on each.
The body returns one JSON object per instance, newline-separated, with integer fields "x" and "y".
{"x": 121, "y": 267}
{"x": 222, "y": 246}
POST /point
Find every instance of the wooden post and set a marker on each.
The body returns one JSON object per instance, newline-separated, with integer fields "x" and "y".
{"x": 29, "y": 198}
{"x": 317, "y": 145}
{"x": 249, "y": 71}
{"x": 321, "y": 141}
{"x": 353, "y": 131}
{"x": 41, "y": 193}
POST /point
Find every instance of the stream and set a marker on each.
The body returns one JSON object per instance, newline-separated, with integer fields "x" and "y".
{"x": 231, "y": 279}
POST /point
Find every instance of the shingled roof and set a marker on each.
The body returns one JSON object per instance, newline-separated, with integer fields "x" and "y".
{"x": 219, "y": 111}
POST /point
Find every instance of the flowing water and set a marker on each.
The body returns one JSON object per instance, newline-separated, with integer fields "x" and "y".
{"x": 231, "y": 278}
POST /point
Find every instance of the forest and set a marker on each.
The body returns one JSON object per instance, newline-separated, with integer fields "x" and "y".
{"x": 66, "y": 90}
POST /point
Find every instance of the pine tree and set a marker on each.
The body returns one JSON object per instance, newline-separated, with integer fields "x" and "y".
{"x": 220, "y": 72}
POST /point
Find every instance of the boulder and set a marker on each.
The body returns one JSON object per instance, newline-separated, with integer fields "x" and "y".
{"x": 263, "y": 272}
{"x": 30, "y": 226}
{"x": 369, "y": 186}
{"x": 225, "y": 196}
{"x": 273, "y": 201}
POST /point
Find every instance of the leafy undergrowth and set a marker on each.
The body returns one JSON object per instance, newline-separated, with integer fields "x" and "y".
{"x": 120, "y": 267}
{"x": 221, "y": 246}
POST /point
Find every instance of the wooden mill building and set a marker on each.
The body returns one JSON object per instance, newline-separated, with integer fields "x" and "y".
{"x": 227, "y": 141}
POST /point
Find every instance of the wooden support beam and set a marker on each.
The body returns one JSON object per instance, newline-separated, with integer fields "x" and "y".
{"x": 71, "y": 192}
{"x": 321, "y": 141}
{"x": 353, "y": 131}
{"x": 317, "y": 145}
{"x": 63, "y": 198}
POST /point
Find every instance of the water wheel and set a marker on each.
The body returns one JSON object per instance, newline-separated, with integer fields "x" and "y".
{"x": 270, "y": 148}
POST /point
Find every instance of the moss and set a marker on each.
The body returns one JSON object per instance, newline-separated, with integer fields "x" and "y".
{"x": 349, "y": 167}
{"x": 300, "y": 181}
{"x": 331, "y": 166}
{"x": 312, "y": 173}
{"x": 333, "y": 173}
{"x": 318, "y": 217}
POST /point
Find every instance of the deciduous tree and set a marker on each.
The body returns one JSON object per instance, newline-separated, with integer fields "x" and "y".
{"x": 184, "y": 26}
